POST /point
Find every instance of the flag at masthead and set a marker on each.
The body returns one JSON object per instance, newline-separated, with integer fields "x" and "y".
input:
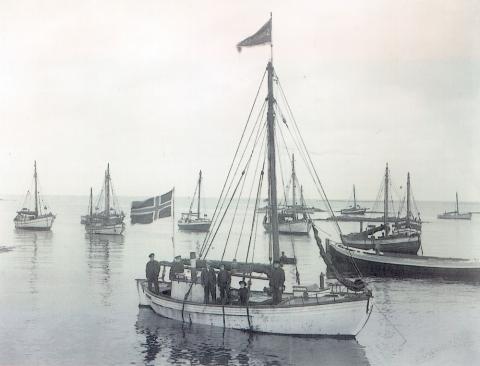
{"x": 261, "y": 37}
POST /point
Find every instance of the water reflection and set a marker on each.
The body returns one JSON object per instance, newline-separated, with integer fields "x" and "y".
{"x": 103, "y": 251}
{"x": 168, "y": 342}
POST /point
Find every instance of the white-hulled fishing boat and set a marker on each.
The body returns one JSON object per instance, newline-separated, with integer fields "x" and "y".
{"x": 36, "y": 218}
{"x": 337, "y": 312}
{"x": 194, "y": 221}
{"x": 106, "y": 220}
{"x": 455, "y": 215}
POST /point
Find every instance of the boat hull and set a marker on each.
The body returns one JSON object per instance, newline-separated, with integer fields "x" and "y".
{"x": 195, "y": 226}
{"x": 336, "y": 319}
{"x": 402, "y": 265}
{"x": 107, "y": 229}
{"x": 401, "y": 244}
{"x": 300, "y": 227}
{"x": 353, "y": 211}
{"x": 42, "y": 223}
{"x": 458, "y": 216}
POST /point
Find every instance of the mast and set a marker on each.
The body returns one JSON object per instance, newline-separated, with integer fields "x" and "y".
{"x": 199, "y": 186}
{"x": 36, "y": 186}
{"x": 408, "y": 199}
{"x": 385, "y": 201}
{"x": 272, "y": 178}
{"x": 293, "y": 181}
{"x": 107, "y": 190}
{"x": 456, "y": 197}
{"x": 354, "y": 198}
{"x": 91, "y": 203}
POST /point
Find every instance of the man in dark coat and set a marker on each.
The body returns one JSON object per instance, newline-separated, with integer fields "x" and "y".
{"x": 152, "y": 270}
{"x": 212, "y": 280}
{"x": 224, "y": 278}
{"x": 243, "y": 293}
{"x": 277, "y": 281}
{"x": 177, "y": 268}
{"x": 205, "y": 280}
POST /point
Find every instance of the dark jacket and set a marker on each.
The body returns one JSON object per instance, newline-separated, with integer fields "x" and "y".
{"x": 208, "y": 277}
{"x": 152, "y": 270}
{"x": 243, "y": 295}
{"x": 224, "y": 278}
{"x": 176, "y": 268}
{"x": 277, "y": 278}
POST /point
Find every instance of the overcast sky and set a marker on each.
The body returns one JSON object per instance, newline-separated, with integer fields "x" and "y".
{"x": 158, "y": 89}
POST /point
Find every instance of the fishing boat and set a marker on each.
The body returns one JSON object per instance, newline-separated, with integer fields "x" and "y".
{"x": 372, "y": 263}
{"x": 455, "y": 215}
{"x": 293, "y": 218}
{"x": 354, "y": 209}
{"x": 36, "y": 218}
{"x": 194, "y": 221}
{"x": 106, "y": 219}
{"x": 403, "y": 236}
{"x": 337, "y": 312}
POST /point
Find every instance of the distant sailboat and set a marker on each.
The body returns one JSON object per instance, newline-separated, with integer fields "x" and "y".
{"x": 455, "y": 215}
{"x": 355, "y": 209}
{"x": 292, "y": 219}
{"x": 108, "y": 221}
{"x": 193, "y": 221}
{"x": 403, "y": 237}
{"x": 34, "y": 219}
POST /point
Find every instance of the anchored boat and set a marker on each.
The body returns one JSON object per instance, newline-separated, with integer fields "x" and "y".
{"x": 36, "y": 218}
{"x": 106, "y": 219}
{"x": 194, "y": 221}
{"x": 354, "y": 209}
{"x": 338, "y": 312}
{"x": 403, "y": 236}
{"x": 455, "y": 215}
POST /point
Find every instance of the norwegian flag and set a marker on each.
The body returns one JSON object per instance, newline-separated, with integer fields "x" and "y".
{"x": 145, "y": 212}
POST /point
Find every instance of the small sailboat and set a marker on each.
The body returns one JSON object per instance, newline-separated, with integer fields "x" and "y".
{"x": 354, "y": 209}
{"x": 108, "y": 219}
{"x": 292, "y": 219}
{"x": 340, "y": 311}
{"x": 36, "y": 218}
{"x": 400, "y": 237}
{"x": 194, "y": 221}
{"x": 455, "y": 215}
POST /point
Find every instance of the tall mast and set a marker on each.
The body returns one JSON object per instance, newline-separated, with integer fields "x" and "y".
{"x": 354, "y": 198}
{"x": 272, "y": 178}
{"x": 456, "y": 196}
{"x": 408, "y": 199}
{"x": 36, "y": 186}
{"x": 91, "y": 203}
{"x": 293, "y": 181}
{"x": 199, "y": 187}
{"x": 107, "y": 190}
{"x": 385, "y": 201}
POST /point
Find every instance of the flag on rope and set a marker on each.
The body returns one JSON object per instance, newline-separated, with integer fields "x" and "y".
{"x": 262, "y": 36}
{"x": 145, "y": 212}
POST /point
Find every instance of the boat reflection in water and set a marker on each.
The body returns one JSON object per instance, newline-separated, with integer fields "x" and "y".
{"x": 168, "y": 342}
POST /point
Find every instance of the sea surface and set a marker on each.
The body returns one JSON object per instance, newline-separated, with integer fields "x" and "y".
{"x": 70, "y": 299}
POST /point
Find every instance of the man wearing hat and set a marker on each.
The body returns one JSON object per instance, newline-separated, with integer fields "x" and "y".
{"x": 176, "y": 268}
{"x": 277, "y": 281}
{"x": 208, "y": 282}
{"x": 243, "y": 293}
{"x": 223, "y": 279}
{"x": 152, "y": 270}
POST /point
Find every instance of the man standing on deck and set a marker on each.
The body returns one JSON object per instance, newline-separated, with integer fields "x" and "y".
{"x": 212, "y": 284}
{"x": 277, "y": 281}
{"x": 152, "y": 270}
{"x": 206, "y": 283}
{"x": 177, "y": 268}
{"x": 224, "y": 278}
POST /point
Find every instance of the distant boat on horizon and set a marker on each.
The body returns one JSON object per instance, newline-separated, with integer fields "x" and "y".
{"x": 455, "y": 215}
{"x": 193, "y": 221}
{"x": 355, "y": 209}
{"x": 34, "y": 219}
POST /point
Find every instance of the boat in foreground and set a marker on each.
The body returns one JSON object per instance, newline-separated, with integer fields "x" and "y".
{"x": 36, "y": 218}
{"x": 371, "y": 263}
{"x": 455, "y": 215}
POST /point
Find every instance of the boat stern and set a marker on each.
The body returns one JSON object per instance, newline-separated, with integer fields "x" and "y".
{"x": 143, "y": 300}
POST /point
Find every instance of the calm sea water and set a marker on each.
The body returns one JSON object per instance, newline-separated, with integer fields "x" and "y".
{"x": 69, "y": 299}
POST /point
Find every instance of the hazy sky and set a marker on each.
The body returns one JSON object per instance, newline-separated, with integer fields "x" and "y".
{"x": 158, "y": 89}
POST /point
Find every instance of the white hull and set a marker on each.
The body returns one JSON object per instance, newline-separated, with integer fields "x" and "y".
{"x": 335, "y": 319}
{"x": 40, "y": 223}
{"x": 302, "y": 227}
{"x": 195, "y": 225}
{"x": 100, "y": 229}
{"x": 455, "y": 216}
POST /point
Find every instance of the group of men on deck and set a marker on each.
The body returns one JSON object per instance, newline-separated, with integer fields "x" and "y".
{"x": 209, "y": 279}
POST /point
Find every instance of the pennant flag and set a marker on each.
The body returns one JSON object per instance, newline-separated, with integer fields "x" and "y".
{"x": 145, "y": 212}
{"x": 263, "y": 36}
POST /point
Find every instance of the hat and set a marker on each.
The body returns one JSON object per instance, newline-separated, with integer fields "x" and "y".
{"x": 242, "y": 282}
{"x": 178, "y": 257}
{"x": 151, "y": 255}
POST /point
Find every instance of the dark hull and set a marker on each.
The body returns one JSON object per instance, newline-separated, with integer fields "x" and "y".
{"x": 192, "y": 226}
{"x": 376, "y": 268}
